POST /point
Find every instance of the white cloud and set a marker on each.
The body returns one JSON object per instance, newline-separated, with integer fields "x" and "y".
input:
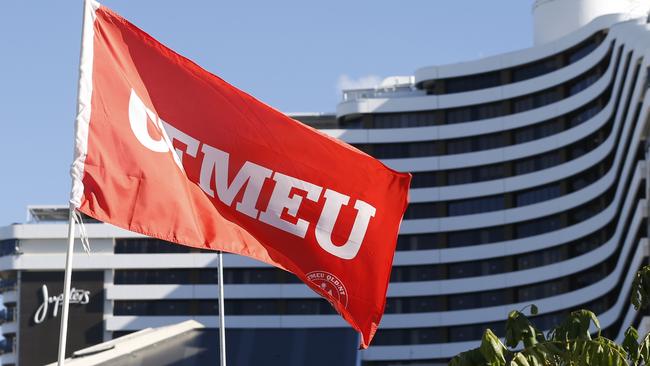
{"x": 345, "y": 82}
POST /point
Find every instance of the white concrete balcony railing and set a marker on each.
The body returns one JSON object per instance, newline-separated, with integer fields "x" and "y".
{"x": 382, "y": 92}
{"x": 390, "y": 87}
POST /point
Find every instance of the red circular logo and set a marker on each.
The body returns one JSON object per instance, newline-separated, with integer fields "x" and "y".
{"x": 330, "y": 285}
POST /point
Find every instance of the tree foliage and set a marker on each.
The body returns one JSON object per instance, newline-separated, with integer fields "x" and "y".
{"x": 577, "y": 341}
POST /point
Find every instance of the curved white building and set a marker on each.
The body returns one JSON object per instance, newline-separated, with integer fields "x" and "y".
{"x": 529, "y": 186}
{"x": 529, "y": 181}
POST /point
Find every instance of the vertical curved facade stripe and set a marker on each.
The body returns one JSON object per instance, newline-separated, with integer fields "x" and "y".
{"x": 529, "y": 187}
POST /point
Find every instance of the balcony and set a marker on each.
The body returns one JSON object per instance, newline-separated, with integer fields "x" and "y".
{"x": 391, "y": 87}
{"x": 7, "y": 346}
{"x": 7, "y": 285}
{"x": 8, "y": 315}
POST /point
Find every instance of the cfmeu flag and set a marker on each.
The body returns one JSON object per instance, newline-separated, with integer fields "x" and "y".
{"x": 169, "y": 150}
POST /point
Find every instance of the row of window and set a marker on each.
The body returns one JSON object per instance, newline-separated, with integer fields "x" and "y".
{"x": 202, "y": 276}
{"x": 472, "y": 332}
{"x": 404, "y": 242}
{"x": 517, "y": 198}
{"x": 419, "y": 304}
{"x": 429, "y": 272}
{"x": 481, "y": 111}
{"x": 519, "y": 73}
{"x": 494, "y": 234}
{"x": 439, "y": 303}
{"x": 510, "y": 168}
{"x": 149, "y": 245}
{"x": 494, "y": 140}
{"x": 232, "y": 307}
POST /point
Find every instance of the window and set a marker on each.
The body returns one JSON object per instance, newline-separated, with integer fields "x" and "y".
{"x": 542, "y": 257}
{"x": 308, "y": 306}
{"x": 477, "y": 268}
{"x": 417, "y": 273}
{"x": 539, "y": 226}
{"x": 425, "y": 304}
{"x": 538, "y": 163}
{"x": 474, "y": 113}
{"x": 424, "y": 179}
{"x": 420, "y": 241}
{"x": 485, "y": 142}
{"x": 385, "y": 337}
{"x": 538, "y": 131}
{"x": 423, "y": 210}
{"x": 458, "y": 115}
{"x": 9, "y": 247}
{"x": 585, "y": 114}
{"x": 473, "y": 82}
{"x": 535, "y": 69}
{"x": 464, "y": 301}
{"x": 472, "y": 175}
{"x": 465, "y": 333}
{"x": 148, "y": 245}
{"x": 399, "y": 150}
{"x": 536, "y": 100}
{"x": 583, "y": 83}
{"x": 546, "y": 289}
{"x": 153, "y": 276}
{"x": 401, "y": 120}
{"x": 475, "y": 237}
{"x": 583, "y": 50}
{"x": 476, "y": 205}
{"x": 544, "y": 193}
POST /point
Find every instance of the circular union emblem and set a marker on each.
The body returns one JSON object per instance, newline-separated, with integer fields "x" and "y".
{"x": 330, "y": 285}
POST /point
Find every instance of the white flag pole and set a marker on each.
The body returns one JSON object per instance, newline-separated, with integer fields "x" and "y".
{"x": 66, "y": 288}
{"x": 222, "y": 313}
{"x": 83, "y": 110}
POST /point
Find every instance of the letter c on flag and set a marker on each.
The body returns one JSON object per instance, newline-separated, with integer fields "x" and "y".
{"x": 138, "y": 113}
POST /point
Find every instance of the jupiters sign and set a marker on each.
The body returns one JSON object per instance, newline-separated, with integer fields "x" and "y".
{"x": 81, "y": 297}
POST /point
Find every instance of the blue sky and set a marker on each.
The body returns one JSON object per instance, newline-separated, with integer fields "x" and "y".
{"x": 293, "y": 55}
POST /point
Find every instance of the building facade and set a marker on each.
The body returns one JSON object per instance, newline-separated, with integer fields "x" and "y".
{"x": 529, "y": 186}
{"x": 529, "y": 182}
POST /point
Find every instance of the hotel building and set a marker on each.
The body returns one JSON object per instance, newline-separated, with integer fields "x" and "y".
{"x": 530, "y": 185}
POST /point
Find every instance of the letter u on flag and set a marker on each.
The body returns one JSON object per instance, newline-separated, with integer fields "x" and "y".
{"x": 169, "y": 150}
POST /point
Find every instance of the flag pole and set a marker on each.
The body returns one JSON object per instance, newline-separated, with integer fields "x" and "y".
{"x": 222, "y": 312}
{"x": 66, "y": 288}
{"x": 67, "y": 279}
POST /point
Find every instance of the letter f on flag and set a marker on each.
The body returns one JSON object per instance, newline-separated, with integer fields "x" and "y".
{"x": 169, "y": 150}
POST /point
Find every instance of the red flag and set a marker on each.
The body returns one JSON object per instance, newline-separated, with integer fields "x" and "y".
{"x": 166, "y": 149}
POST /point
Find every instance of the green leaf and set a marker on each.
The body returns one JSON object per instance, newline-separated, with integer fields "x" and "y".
{"x": 520, "y": 329}
{"x": 644, "y": 350}
{"x": 580, "y": 352}
{"x": 640, "y": 296}
{"x": 540, "y": 354}
{"x": 492, "y": 349}
{"x": 520, "y": 360}
{"x": 533, "y": 309}
{"x": 472, "y": 357}
{"x": 575, "y": 326}
{"x": 631, "y": 344}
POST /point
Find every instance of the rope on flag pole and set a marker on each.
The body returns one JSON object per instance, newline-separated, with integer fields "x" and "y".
{"x": 222, "y": 313}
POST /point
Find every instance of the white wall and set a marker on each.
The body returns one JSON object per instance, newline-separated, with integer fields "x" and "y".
{"x": 556, "y": 18}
